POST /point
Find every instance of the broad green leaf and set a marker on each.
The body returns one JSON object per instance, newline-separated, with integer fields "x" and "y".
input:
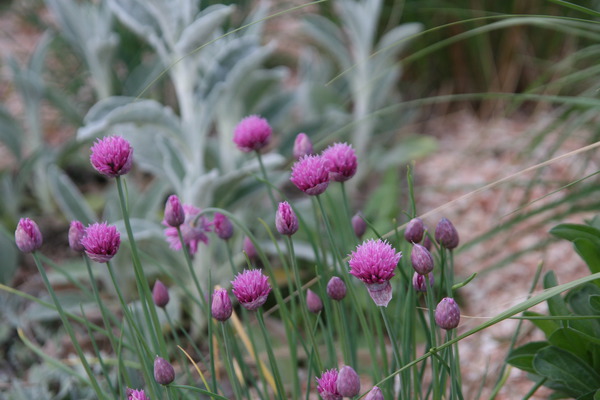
{"x": 68, "y": 197}
{"x": 573, "y": 232}
{"x": 522, "y": 357}
{"x": 9, "y": 253}
{"x": 10, "y": 132}
{"x": 590, "y": 252}
{"x": 556, "y": 304}
{"x": 199, "y": 32}
{"x": 566, "y": 368}
{"x": 545, "y": 325}
{"x": 595, "y": 303}
{"x": 570, "y": 340}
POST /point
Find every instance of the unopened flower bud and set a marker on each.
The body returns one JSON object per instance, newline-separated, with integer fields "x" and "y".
{"x": 359, "y": 225}
{"x": 28, "y": 236}
{"x": 447, "y": 314}
{"x": 374, "y": 394}
{"x": 221, "y": 307}
{"x": 421, "y": 259}
{"x": 427, "y": 242}
{"x": 164, "y": 373}
{"x": 348, "y": 382}
{"x": 76, "y": 233}
{"x": 419, "y": 282}
{"x": 414, "y": 231}
{"x": 313, "y": 302}
{"x": 286, "y": 221}
{"x": 446, "y": 234}
{"x": 336, "y": 288}
{"x": 160, "y": 294}
{"x": 223, "y": 226}
{"x": 249, "y": 248}
{"x": 174, "y": 214}
{"x": 302, "y": 146}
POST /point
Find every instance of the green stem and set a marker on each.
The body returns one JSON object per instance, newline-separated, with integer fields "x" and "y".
{"x": 432, "y": 335}
{"x": 92, "y": 379}
{"x": 272, "y": 361}
{"x": 263, "y": 170}
{"x": 228, "y": 364}
{"x": 390, "y": 333}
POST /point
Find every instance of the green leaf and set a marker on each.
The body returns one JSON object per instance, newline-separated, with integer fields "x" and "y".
{"x": 68, "y": 197}
{"x": 545, "y": 325}
{"x": 589, "y": 252}
{"x": 570, "y": 340}
{"x": 597, "y": 395}
{"x": 522, "y": 357}
{"x": 567, "y": 369}
{"x": 595, "y": 303}
{"x": 556, "y": 304}
{"x": 9, "y": 256}
{"x": 10, "y": 132}
{"x": 572, "y": 232}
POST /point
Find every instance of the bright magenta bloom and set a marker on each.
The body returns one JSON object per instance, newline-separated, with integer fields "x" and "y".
{"x": 223, "y": 226}
{"x": 101, "y": 242}
{"x": 348, "y": 382}
{"x": 251, "y": 288}
{"x": 193, "y": 230}
{"x": 310, "y": 174}
{"x": 174, "y": 213}
{"x": 302, "y": 146}
{"x": 112, "y": 156}
{"x": 252, "y": 133}
{"x": 374, "y": 262}
{"x": 221, "y": 308}
{"x": 76, "y": 233}
{"x": 286, "y": 220}
{"x": 28, "y": 236}
{"x": 327, "y": 385}
{"x": 134, "y": 394}
{"x": 341, "y": 161}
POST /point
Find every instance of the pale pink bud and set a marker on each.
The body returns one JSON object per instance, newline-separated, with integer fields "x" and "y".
{"x": 174, "y": 213}
{"x": 414, "y": 231}
{"x": 164, "y": 373}
{"x": 221, "y": 308}
{"x": 348, "y": 382}
{"x": 313, "y": 302}
{"x": 160, "y": 294}
{"x": 419, "y": 282}
{"x": 421, "y": 259}
{"x": 447, "y": 314}
{"x": 223, "y": 226}
{"x": 374, "y": 394}
{"x": 249, "y": 248}
{"x": 28, "y": 236}
{"x": 446, "y": 234}
{"x": 336, "y": 288}
{"x": 359, "y": 225}
{"x": 76, "y": 233}
{"x": 302, "y": 146}
{"x": 286, "y": 221}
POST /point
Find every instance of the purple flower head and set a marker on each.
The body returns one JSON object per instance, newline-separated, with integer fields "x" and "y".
{"x": 174, "y": 214}
{"x": 221, "y": 308}
{"x": 359, "y": 225}
{"x": 252, "y": 133}
{"x": 421, "y": 259}
{"x": 336, "y": 288}
{"x": 223, "y": 226}
{"x": 348, "y": 382}
{"x": 134, "y": 394}
{"x": 28, "y": 236}
{"x": 302, "y": 146}
{"x": 419, "y": 282}
{"x": 286, "y": 221}
{"x": 341, "y": 161}
{"x": 374, "y": 394}
{"x": 164, "y": 373}
{"x": 327, "y": 385}
{"x": 447, "y": 314}
{"x": 310, "y": 174}
{"x": 251, "y": 288}
{"x": 374, "y": 262}
{"x": 76, "y": 233}
{"x": 101, "y": 242}
{"x": 313, "y": 302}
{"x": 414, "y": 231}
{"x": 160, "y": 294}
{"x": 112, "y": 156}
{"x": 249, "y": 249}
{"x": 446, "y": 234}
{"x": 193, "y": 230}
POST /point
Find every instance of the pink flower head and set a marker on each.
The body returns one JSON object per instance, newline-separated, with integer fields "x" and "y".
{"x": 174, "y": 214}
{"x": 310, "y": 174}
{"x": 28, "y": 236}
{"x": 76, "y": 233}
{"x": 223, "y": 226}
{"x": 341, "y": 161}
{"x": 251, "y": 288}
{"x": 112, "y": 156}
{"x": 302, "y": 146}
{"x": 134, "y": 394}
{"x": 252, "y": 133}
{"x": 101, "y": 242}
{"x": 286, "y": 221}
{"x": 327, "y": 385}
{"x": 193, "y": 230}
{"x": 374, "y": 262}
{"x": 221, "y": 307}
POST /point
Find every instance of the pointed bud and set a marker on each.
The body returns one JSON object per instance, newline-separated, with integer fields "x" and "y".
{"x": 164, "y": 373}
{"x": 76, "y": 233}
{"x": 160, "y": 294}
{"x": 414, "y": 231}
{"x": 221, "y": 307}
{"x": 427, "y": 242}
{"x": 348, "y": 382}
{"x": 419, "y": 282}
{"x": 223, "y": 226}
{"x": 374, "y": 394}
{"x": 446, "y": 234}
{"x": 313, "y": 302}
{"x": 359, "y": 225}
{"x": 447, "y": 314}
{"x": 249, "y": 248}
{"x": 336, "y": 288}
{"x": 302, "y": 146}
{"x": 286, "y": 221}
{"x": 28, "y": 236}
{"x": 421, "y": 259}
{"x": 174, "y": 213}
